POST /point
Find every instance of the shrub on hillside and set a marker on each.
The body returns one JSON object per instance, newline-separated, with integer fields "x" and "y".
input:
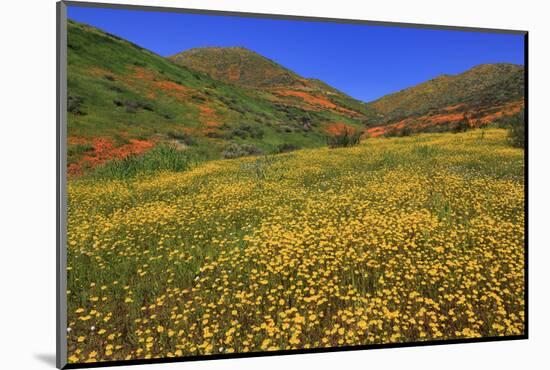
{"x": 74, "y": 104}
{"x": 255, "y": 132}
{"x": 239, "y": 133}
{"x": 398, "y": 132}
{"x": 460, "y": 126}
{"x": 405, "y": 131}
{"x": 391, "y": 132}
{"x": 247, "y": 130}
{"x": 182, "y": 137}
{"x": 235, "y": 150}
{"x": 285, "y": 148}
{"x": 218, "y": 135}
{"x": 132, "y": 106}
{"x": 516, "y": 129}
{"x": 345, "y": 138}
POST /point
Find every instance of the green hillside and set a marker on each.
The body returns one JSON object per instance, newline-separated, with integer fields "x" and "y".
{"x": 124, "y": 99}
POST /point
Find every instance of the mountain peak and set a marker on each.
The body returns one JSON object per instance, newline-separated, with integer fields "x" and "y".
{"x": 238, "y": 65}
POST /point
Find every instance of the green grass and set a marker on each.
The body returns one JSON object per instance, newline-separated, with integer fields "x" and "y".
{"x": 160, "y": 158}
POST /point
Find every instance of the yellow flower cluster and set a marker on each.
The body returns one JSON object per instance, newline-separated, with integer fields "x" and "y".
{"x": 396, "y": 240}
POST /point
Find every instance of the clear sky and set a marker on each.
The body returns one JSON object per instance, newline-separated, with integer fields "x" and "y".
{"x": 364, "y": 61}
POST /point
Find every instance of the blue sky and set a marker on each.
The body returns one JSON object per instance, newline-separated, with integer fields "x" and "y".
{"x": 364, "y": 61}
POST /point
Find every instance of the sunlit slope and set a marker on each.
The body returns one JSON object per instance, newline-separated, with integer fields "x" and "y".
{"x": 396, "y": 240}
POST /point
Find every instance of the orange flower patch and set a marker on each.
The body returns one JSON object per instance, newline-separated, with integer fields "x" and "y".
{"x": 148, "y": 81}
{"x": 376, "y": 131}
{"x": 98, "y": 72}
{"x": 475, "y": 118}
{"x": 208, "y": 117}
{"x": 75, "y": 140}
{"x": 308, "y": 98}
{"x": 442, "y": 118}
{"x": 453, "y": 107}
{"x": 506, "y": 110}
{"x": 234, "y": 74}
{"x": 141, "y": 73}
{"x": 382, "y": 130}
{"x": 169, "y": 86}
{"x": 104, "y": 150}
{"x": 314, "y": 102}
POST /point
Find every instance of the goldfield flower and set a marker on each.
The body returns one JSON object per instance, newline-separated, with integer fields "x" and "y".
{"x": 393, "y": 241}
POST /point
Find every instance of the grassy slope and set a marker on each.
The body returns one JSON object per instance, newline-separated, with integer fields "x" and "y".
{"x": 171, "y": 99}
{"x": 484, "y": 86}
{"x": 401, "y": 239}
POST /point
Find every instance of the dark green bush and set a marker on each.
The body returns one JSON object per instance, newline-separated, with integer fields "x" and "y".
{"x": 132, "y": 106}
{"x": 198, "y": 98}
{"x": 399, "y": 132}
{"x": 117, "y": 89}
{"x": 217, "y": 135}
{"x": 516, "y": 129}
{"x": 239, "y": 133}
{"x": 74, "y": 105}
{"x": 405, "y": 131}
{"x": 345, "y": 138}
{"x": 391, "y": 132}
{"x": 235, "y": 150}
{"x": 253, "y": 130}
{"x": 285, "y": 148}
{"x": 182, "y": 137}
{"x": 460, "y": 126}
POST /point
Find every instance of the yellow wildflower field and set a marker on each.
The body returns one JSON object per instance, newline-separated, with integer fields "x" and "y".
{"x": 396, "y": 240}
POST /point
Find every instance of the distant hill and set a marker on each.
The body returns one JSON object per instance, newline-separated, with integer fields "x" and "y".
{"x": 480, "y": 94}
{"x": 238, "y": 65}
{"x": 246, "y": 68}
